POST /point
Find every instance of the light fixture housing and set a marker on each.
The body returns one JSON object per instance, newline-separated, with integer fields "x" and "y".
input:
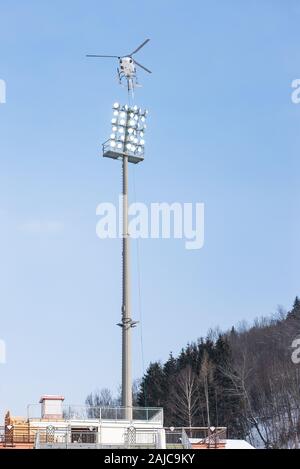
{"x": 127, "y": 138}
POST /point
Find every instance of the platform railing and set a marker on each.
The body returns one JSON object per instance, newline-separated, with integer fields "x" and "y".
{"x": 210, "y": 437}
{"x": 80, "y": 412}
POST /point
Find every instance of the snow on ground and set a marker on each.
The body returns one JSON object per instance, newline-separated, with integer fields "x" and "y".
{"x": 238, "y": 444}
{"x": 229, "y": 444}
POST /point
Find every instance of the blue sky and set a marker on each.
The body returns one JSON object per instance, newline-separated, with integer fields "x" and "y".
{"x": 222, "y": 130}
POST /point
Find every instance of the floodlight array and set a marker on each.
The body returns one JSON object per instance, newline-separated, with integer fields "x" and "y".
{"x": 128, "y": 129}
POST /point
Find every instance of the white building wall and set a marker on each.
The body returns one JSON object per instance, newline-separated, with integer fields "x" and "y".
{"x": 109, "y": 433}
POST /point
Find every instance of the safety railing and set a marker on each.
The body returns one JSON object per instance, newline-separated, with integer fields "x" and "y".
{"x": 90, "y": 438}
{"x": 210, "y": 437}
{"x": 2, "y": 434}
{"x": 12, "y": 436}
{"x": 78, "y": 412}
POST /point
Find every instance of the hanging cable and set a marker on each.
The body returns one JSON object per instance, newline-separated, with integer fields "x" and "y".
{"x": 138, "y": 261}
{"x": 130, "y": 102}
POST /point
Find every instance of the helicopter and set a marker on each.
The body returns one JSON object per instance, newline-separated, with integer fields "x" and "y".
{"x": 127, "y": 64}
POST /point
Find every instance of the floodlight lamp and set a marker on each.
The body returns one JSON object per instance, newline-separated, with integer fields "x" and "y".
{"x": 121, "y": 130}
{"x": 126, "y": 107}
{"x": 122, "y": 114}
{"x": 122, "y": 137}
{"x": 114, "y": 128}
{"x": 119, "y": 145}
{"x": 128, "y": 146}
{"x": 135, "y": 107}
{"x": 142, "y": 142}
{"x": 112, "y": 136}
{"x": 141, "y": 133}
{"x": 132, "y": 122}
{"x": 143, "y": 118}
{"x": 112, "y": 143}
{"x": 116, "y": 105}
{"x": 114, "y": 121}
{"x": 133, "y": 147}
{"x": 122, "y": 122}
{"x": 116, "y": 113}
{"x": 130, "y": 130}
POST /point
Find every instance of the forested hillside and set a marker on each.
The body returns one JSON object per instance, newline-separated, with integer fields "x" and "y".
{"x": 244, "y": 379}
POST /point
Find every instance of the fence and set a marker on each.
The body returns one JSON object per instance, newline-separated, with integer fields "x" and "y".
{"x": 177, "y": 438}
{"x": 12, "y": 436}
{"x": 75, "y": 438}
{"x": 185, "y": 436}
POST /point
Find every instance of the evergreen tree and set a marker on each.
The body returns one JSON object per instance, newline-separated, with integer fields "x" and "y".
{"x": 152, "y": 387}
{"x": 295, "y": 312}
{"x": 226, "y": 404}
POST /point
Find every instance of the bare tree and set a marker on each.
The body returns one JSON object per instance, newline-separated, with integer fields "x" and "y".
{"x": 205, "y": 378}
{"x": 97, "y": 400}
{"x": 184, "y": 399}
{"x": 267, "y": 381}
{"x": 135, "y": 391}
{"x": 136, "y": 385}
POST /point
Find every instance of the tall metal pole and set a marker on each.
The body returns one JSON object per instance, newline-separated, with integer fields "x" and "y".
{"x": 126, "y": 131}
{"x": 126, "y": 308}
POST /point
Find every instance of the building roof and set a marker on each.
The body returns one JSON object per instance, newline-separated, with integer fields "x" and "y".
{"x": 51, "y": 397}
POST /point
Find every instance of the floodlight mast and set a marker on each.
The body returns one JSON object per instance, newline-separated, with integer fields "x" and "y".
{"x": 120, "y": 147}
{"x": 126, "y": 307}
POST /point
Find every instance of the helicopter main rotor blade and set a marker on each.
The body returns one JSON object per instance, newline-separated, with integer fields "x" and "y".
{"x": 142, "y": 66}
{"x": 112, "y": 56}
{"x": 136, "y": 50}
